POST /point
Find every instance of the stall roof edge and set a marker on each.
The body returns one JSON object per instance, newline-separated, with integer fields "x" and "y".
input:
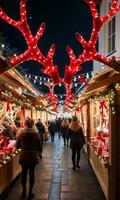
{"x": 100, "y": 82}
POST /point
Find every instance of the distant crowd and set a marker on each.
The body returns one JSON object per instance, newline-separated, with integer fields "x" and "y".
{"x": 31, "y": 137}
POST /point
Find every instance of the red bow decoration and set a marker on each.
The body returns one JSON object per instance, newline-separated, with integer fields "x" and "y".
{"x": 102, "y": 107}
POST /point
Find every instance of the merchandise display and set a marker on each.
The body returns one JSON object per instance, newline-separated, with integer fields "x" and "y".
{"x": 7, "y": 149}
{"x": 100, "y": 144}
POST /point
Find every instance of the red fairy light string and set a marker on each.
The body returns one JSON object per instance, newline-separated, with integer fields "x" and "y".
{"x": 33, "y": 52}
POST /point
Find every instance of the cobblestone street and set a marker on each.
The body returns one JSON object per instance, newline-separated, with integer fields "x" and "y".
{"x": 55, "y": 179}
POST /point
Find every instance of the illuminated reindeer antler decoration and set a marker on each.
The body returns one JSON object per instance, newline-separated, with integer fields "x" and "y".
{"x": 49, "y": 96}
{"x": 33, "y": 52}
{"x": 53, "y": 99}
{"x": 69, "y": 96}
{"x": 90, "y": 52}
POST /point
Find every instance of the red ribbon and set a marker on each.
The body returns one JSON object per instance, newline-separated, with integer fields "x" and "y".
{"x": 8, "y": 106}
{"x": 102, "y": 106}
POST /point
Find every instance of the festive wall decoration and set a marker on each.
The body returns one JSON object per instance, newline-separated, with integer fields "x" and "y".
{"x": 112, "y": 95}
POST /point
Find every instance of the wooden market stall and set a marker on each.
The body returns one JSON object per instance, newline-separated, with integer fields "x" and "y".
{"x": 100, "y": 111}
{"x": 14, "y": 101}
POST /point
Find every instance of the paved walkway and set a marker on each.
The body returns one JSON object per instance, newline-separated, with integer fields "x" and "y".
{"x": 55, "y": 179}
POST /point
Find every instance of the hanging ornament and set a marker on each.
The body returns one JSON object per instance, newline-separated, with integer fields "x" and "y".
{"x": 102, "y": 107}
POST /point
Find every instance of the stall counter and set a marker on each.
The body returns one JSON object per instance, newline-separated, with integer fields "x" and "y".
{"x": 8, "y": 172}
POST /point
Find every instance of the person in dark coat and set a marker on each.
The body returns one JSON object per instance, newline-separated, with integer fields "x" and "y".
{"x": 41, "y": 129}
{"x": 77, "y": 141}
{"x": 52, "y": 130}
{"x": 29, "y": 142}
{"x": 58, "y": 125}
{"x": 64, "y": 128}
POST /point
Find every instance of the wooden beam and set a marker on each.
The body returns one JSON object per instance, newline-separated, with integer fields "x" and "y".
{"x": 99, "y": 86}
{"x": 115, "y": 64}
{"x": 105, "y": 82}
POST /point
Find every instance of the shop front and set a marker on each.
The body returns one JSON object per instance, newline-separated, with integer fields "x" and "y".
{"x": 100, "y": 116}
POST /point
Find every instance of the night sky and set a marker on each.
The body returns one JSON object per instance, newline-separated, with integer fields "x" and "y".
{"x": 62, "y": 18}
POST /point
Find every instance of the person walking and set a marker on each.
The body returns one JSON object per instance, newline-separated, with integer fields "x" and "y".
{"x": 58, "y": 125}
{"x": 64, "y": 128}
{"x": 52, "y": 130}
{"x": 41, "y": 131}
{"x": 77, "y": 140}
{"x": 29, "y": 142}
